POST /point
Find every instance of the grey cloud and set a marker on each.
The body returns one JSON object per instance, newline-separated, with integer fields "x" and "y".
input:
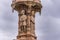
{"x": 53, "y": 9}
{"x": 49, "y": 27}
{"x": 8, "y": 21}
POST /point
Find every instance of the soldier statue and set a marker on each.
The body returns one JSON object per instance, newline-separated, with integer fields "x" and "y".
{"x": 32, "y": 21}
{"x": 23, "y": 19}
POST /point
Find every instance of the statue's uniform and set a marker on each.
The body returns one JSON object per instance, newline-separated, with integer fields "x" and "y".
{"x": 23, "y": 19}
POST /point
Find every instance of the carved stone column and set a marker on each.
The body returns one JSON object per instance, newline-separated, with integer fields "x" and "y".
{"x": 26, "y": 13}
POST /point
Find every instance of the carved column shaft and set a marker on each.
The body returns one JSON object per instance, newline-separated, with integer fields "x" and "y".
{"x": 29, "y": 26}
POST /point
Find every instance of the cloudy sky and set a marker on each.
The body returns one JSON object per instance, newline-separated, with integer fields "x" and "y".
{"x": 47, "y": 24}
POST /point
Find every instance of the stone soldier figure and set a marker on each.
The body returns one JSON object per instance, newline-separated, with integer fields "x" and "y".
{"x": 32, "y": 22}
{"x": 28, "y": 19}
{"x": 23, "y": 19}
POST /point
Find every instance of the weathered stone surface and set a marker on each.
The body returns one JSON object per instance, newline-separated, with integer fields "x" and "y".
{"x": 26, "y": 13}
